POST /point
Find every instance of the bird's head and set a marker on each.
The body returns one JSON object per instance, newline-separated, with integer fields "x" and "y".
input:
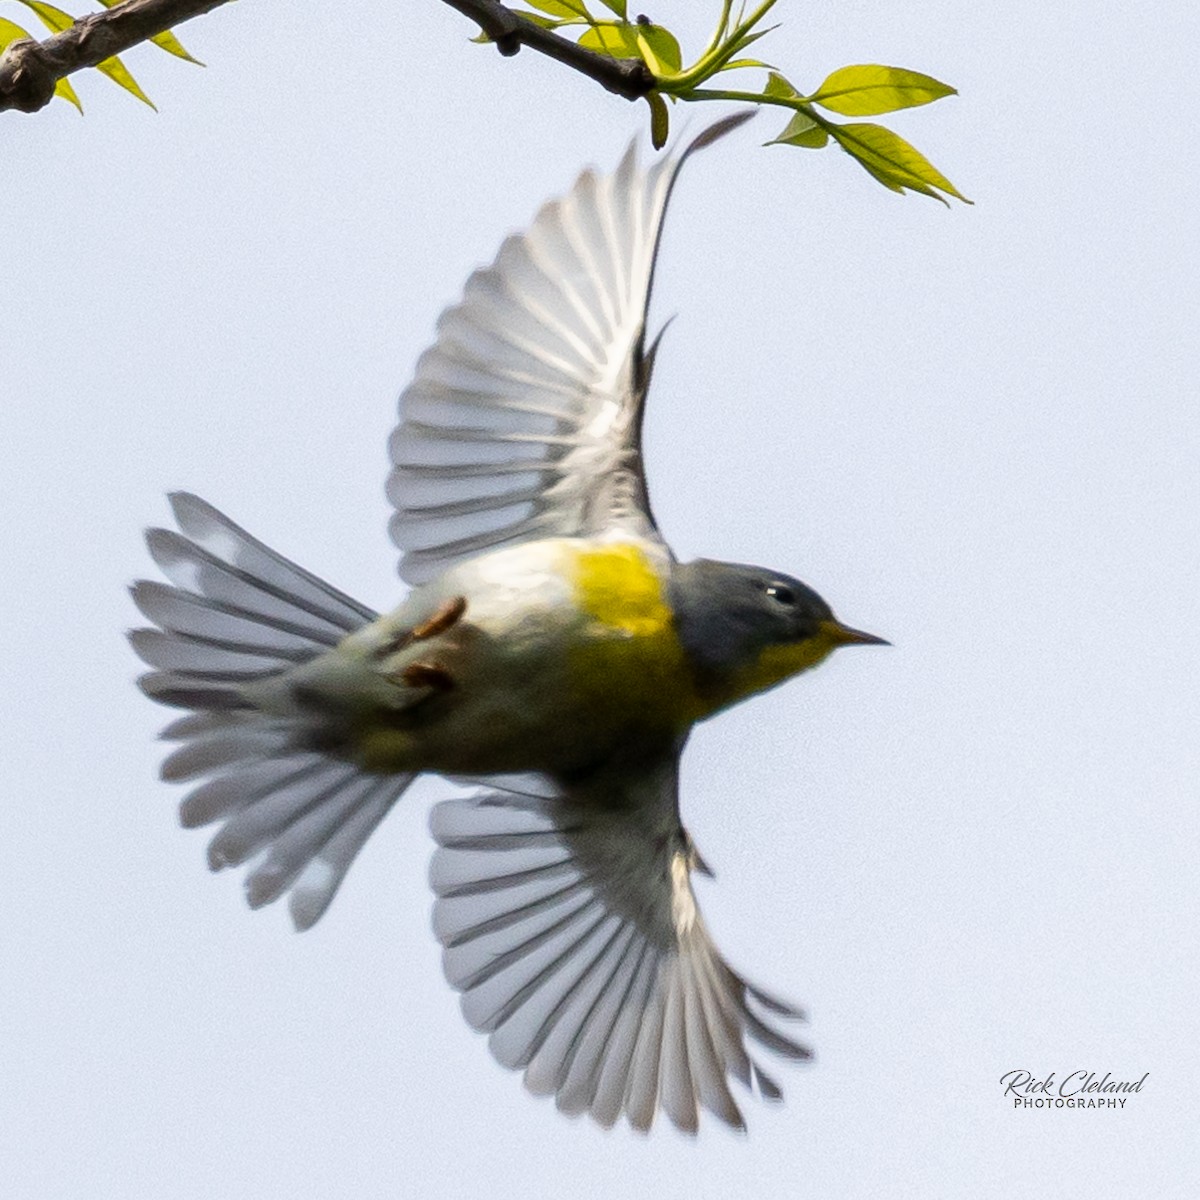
{"x": 746, "y": 629}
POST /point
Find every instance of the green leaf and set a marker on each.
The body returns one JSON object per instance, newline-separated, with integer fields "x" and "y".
{"x": 56, "y": 20}
{"x": 663, "y": 48}
{"x": 890, "y": 182}
{"x": 740, "y": 64}
{"x": 870, "y": 89}
{"x": 660, "y": 120}
{"x": 116, "y": 70}
{"x": 165, "y": 40}
{"x": 802, "y": 130}
{"x": 53, "y": 18}
{"x": 883, "y": 153}
{"x": 64, "y": 89}
{"x": 11, "y": 32}
{"x": 737, "y": 44}
{"x": 778, "y": 86}
{"x": 617, "y": 41}
{"x": 536, "y": 18}
{"x": 561, "y": 8}
{"x": 618, "y": 7}
{"x": 653, "y": 44}
{"x": 172, "y": 45}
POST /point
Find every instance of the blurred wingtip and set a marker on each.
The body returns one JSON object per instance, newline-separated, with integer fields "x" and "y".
{"x": 718, "y": 129}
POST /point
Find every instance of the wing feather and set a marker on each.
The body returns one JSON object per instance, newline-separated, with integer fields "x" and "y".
{"x": 540, "y": 371}
{"x": 569, "y": 925}
{"x": 613, "y": 1071}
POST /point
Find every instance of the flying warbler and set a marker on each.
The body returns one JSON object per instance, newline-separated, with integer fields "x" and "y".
{"x": 552, "y": 652}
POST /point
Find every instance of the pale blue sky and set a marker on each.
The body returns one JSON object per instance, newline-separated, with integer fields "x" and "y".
{"x": 975, "y": 431}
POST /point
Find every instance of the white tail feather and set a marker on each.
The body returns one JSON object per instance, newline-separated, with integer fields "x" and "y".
{"x": 239, "y": 613}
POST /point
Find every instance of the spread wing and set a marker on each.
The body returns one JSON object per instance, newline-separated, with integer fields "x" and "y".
{"x": 569, "y": 924}
{"x": 524, "y": 418}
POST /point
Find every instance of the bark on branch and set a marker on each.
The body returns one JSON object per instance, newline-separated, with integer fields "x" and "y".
{"x": 29, "y": 70}
{"x": 627, "y": 77}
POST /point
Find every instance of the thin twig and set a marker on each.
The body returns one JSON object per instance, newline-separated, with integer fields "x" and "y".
{"x": 29, "y": 70}
{"x": 510, "y": 31}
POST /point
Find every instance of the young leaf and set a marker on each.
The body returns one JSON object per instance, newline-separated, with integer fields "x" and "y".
{"x": 561, "y": 8}
{"x": 617, "y": 41}
{"x": 892, "y": 185}
{"x": 166, "y": 40}
{"x": 10, "y": 32}
{"x": 740, "y": 64}
{"x": 664, "y": 49}
{"x": 53, "y": 18}
{"x": 172, "y": 45}
{"x": 737, "y": 44}
{"x": 116, "y": 70}
{"x": 802, "y": 130}
{"x": 537, "y": 18}
{"x": 64, "y": 89}
{"x": 616, "y": 6}
{"x": 778, "y": 86}
{"x": 660, "y": 120}
{"x": 881, "y": 151}
{"x": 56, "y": 20}
{"x": 870, "y": 89}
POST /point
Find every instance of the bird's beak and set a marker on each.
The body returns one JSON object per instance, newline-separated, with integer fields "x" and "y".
{"x": 843, "y": 635}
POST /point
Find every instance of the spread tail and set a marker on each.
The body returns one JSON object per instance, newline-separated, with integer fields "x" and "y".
{"x": 237, "y": 613}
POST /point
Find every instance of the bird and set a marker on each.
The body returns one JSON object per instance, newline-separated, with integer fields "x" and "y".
{"x": 552, "y": 655}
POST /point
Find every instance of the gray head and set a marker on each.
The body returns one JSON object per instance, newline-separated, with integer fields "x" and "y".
{"x": 748, "y": 628}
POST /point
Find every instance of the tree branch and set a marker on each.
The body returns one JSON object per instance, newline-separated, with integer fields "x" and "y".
{"x": 510, "y": 31}
{"x": 29, "y": 70}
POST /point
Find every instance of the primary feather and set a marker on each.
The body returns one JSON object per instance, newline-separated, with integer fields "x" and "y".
{"x": 524, "y": 418}
{"x": 570, "y": 926}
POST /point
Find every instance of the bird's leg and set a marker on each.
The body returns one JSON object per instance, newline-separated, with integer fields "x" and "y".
{"x": 427, "y": 675}
{"x": 446, "y": 616}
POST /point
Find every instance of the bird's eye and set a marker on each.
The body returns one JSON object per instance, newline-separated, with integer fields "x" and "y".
{"x": 781, "y": 594}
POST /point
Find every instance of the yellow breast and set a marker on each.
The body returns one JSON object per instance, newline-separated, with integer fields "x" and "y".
{"x": 629, "y": 661}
